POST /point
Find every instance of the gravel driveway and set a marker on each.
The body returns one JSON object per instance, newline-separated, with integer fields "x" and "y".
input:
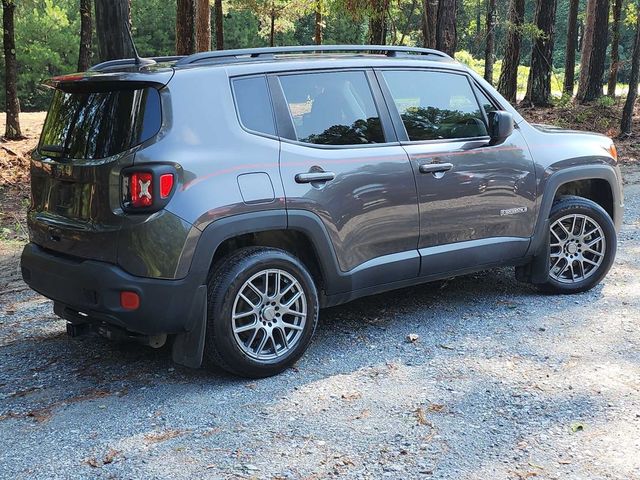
{"x": 499, "y": 382}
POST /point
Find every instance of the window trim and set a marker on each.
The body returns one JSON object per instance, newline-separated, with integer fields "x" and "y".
{"x": 232, "y": 81}
{"x": 284, "y": 121}
{"x": 399, "y": 126}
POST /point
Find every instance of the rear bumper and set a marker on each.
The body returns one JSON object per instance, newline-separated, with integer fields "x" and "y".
{"x": 93, "y": 288}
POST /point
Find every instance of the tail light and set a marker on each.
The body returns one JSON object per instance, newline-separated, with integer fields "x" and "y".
{"x": 147, "y": 190}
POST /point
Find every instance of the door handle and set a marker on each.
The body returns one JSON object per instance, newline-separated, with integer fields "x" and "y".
{"x": 313, "y": 177}
{"x": 436, "y": 167}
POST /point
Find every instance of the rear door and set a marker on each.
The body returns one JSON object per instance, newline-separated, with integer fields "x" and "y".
{"x": 341, "y": 161}
{"x": 476, "y": 199}
{"x": 75, "y": 172}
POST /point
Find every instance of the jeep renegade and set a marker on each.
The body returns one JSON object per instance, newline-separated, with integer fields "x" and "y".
{"x": 219, "y": 200}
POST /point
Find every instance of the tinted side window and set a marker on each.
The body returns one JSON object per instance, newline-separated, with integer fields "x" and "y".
{"x": 485, "y": 102}
{"x": 334, "y": 108}
{"x": 436, "y": 105}
{"x": 254, "y": 104}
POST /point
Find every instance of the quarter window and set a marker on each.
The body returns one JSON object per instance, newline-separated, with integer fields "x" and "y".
{"x": 436, "y": 105}
{"x": 334, "y": 108}
{"x": 254, "y": 104}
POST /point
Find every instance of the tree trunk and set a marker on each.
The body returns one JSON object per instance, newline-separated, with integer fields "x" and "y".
{"x": 539, "y": 83}
{"x": 594, "y": 51}
{"x": 113, "y": 19}
{"x": 378, "y": 22}
{"x": 86, "y": 33}
{"x": 446, "y": 32}
{"x": 508, "y": 82}
{"x": 318, "y": 23}
{"x": 615, "y": 44}
{"x": 193, "y": 26}
{"x": 570, "y": 54}
{"x": 203, "y": 26}
{"x": 627, "y": 112}
{"x": 185, "y": 27}
{"x": 489, "y": 52}
{"x": 429, "y": 22}
{"x": 219, "y": 14}
{"x": 272, "y": 29}
{"x": 12, "y": 131}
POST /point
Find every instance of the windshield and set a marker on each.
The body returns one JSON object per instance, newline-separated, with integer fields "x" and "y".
{"x": 99, "y": 124}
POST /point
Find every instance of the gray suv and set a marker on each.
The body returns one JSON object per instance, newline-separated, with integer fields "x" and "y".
{"x": 218, "y": 201}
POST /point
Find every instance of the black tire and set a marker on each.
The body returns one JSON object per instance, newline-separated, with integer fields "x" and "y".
{"x": 222, "y": 349}
{"x": 573, "y": 205}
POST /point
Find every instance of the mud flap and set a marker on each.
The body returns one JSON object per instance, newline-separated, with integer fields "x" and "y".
{"x": 188, "y": 347}
{"x": 537, "y": 271}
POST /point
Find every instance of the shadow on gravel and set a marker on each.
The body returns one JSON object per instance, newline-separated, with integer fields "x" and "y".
{"x": 43, "y": 370}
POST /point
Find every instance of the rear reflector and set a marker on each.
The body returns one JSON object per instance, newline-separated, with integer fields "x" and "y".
{"x": 166, "y": 185}
{"x": 129, "y": 300}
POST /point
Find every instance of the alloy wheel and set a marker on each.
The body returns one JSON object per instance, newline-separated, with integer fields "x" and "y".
{"x": 269, "y": 314}
{"x": 578, "y": 247}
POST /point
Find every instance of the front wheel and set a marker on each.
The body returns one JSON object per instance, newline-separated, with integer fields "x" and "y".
{"x": 582, "y": 245}
{"x": 263, "y": 310}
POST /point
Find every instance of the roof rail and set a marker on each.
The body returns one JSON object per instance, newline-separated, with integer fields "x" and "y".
{"x": 128, "y": 62}
{"x": 270, "y": 52}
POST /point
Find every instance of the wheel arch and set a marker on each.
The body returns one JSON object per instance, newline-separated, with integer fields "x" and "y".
{"x": 301, "y": 233}
{"x": 575, "y": 180}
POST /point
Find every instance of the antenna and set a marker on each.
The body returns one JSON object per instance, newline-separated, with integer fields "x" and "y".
{"x": 140, "y": 62}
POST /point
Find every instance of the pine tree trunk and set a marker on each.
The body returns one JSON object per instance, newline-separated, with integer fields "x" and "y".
{"x": 615, "y": 47}
{"x": 113, "y": 18}
{"x": 446, "y": 31}
{"x": 627, "y": 112}
{"x": 489, "y": 52}
{"x": 429, "y": 22}
{"x": 570, "y": 54}
{"x": 594, "y": 51}
{"x": 539, "y": 83}
{"x": 193, "y": 26}
{"x": 508, "y": 82}
{"x": 378, "y": 22}
{"x": 318, "y": 23}
{"x": 12, "y": 131}
{"x": 86, "y": 34}
{"x": 203, "y": 26}
{"x": 219, "y": 14}
{"x": 272, "y": 29}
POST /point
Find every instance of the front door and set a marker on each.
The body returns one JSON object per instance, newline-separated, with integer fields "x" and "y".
{"x": 476, "y": 199}
{"x": 340, "y": 161}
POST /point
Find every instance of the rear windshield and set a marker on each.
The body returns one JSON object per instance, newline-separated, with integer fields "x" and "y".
{"x": 99, "y": 125}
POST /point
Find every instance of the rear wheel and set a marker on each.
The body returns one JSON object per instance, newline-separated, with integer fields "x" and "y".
{"x": 263, "y": 310}
{"x": 582, "y": 245}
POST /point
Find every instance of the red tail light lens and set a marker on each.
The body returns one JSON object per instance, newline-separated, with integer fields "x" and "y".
{"x": 166, "y": 185}
{"x": 141, "y": 189}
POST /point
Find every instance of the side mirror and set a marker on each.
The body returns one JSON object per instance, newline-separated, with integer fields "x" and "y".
{"x": 500, "y": 126}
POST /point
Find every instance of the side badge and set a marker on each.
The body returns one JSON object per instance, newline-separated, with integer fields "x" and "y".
{"x": 513, "y": 211}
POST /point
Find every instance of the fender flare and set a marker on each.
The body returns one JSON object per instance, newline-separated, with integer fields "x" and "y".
{"x": 202, "y": 245}
{"x": 561, "y": 177}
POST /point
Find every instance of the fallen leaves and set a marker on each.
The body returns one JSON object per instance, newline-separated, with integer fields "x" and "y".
{"x": 436, "y": 407}
{"x": 351, "y": 396}
{"x": 109, "y": 457}
{"x": 163, "y": 436}
{"x": 421, "y": 417}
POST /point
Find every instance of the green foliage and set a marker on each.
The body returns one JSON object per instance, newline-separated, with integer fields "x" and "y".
{"x": 47, "y": 33}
